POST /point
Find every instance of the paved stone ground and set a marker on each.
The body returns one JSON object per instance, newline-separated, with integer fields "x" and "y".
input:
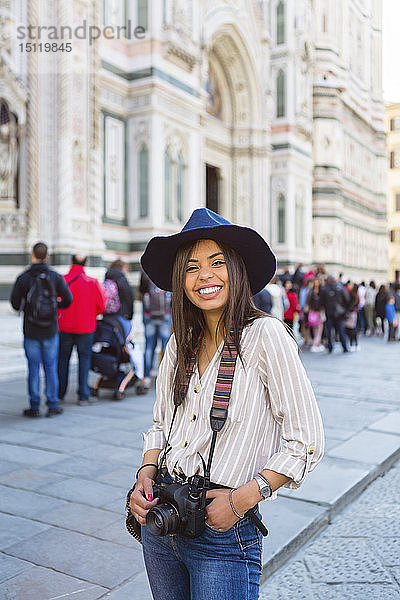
{"x": 63, "y": 480}
{"x": 357, "y": 557}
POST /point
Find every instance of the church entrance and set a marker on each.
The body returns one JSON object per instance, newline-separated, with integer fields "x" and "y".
{"x": 213, "y": 177}
{"x": 235, "y": 155}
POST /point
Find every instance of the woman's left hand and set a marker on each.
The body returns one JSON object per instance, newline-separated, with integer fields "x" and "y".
{"x": 219, "y": 514}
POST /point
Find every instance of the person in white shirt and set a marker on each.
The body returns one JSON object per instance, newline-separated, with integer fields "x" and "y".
{"x": 361, "y": 325}
{"x": 272, "y": 435}
{"x": 279, "y": 300}
{"x": 369, "y": 308}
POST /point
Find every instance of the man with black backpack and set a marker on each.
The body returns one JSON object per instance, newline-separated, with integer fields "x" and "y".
{"x": 39, "y": 292}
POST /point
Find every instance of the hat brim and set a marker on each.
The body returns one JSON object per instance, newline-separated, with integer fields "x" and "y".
{"x": 260, "y": 262}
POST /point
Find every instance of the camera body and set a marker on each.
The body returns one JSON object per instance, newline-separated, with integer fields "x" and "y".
{"x": 181, "y": 509}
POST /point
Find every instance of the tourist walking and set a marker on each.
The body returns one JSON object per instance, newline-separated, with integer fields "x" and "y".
{"x": 77, "y": 325}
{"x": 361, "y": 323}
{"x": 381, "y": 299}
{"x": 117, "y": 271}
{"x": 293, "y": 308}
{"x": 263, "y": 301}
{"x": 369, "y": 308}
{"x": 275, "y": 289}
{"x": 269, "y": 426}
{"x": 315, "y": 315}
{"x": 335, "y": 303}
{"x": 391, "y": 319}
{"x": 39, "y": 292}
{"x": 156, "y": 319}
{"x": 304, "y": 308}
{"x": 350, "y": 322}
{"x": 397, "y": 304}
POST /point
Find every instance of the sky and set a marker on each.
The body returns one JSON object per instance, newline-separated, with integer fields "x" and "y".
{"x": 391, "y": 50}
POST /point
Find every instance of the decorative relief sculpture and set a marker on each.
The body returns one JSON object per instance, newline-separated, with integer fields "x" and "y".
{"x": 8, "y": 155}
{"x": 183, "y": 14}
{"x": 12, "y": 224}
{"x": 214, "y": 105}
{"x": 278, "y": 185}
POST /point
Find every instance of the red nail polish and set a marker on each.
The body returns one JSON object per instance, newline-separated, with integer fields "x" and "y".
{"x": 150, "y": 497}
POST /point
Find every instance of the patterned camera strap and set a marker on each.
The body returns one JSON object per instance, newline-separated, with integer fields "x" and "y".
{"x": 223, "y": 385}
{"x": 222, "y": 392}
{"x": 219, "y": 409}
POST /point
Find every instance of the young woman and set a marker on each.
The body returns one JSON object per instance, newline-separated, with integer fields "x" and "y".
{"x": 351, "y": 319}
{"x": 293, "y": 307}
{"x": 380, "y": 308}
{"x": 273, "y": 426}
{"x": 316, "y": 316}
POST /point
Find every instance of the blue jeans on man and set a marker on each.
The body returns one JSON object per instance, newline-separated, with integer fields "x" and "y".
{"x": 42, "y": 352}
{"x": 333, "y": 325}
{"x": 83, "y": 343}
{"x": 155, "y": 328}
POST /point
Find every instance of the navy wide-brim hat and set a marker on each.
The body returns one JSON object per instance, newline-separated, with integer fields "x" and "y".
{"x": 204, "y": 224}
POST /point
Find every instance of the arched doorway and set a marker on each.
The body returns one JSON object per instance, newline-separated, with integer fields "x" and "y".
{"x": 233, "y": 124}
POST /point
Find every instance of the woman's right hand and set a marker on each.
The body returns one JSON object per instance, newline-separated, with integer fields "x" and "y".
{"x": 142, "y": 498}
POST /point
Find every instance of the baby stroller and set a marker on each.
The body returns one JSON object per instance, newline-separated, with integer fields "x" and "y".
{"x": 110, "y": 358}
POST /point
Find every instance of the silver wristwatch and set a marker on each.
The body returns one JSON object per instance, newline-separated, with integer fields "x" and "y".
{"x": 263, "y": 484}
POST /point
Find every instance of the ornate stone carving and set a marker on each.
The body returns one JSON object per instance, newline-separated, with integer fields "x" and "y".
{"x": 326, "y": 239}
{"x": 5, "y": 34}
{"x": 8, "y": 155}
{"x": 142, "y": 133}
{"x": 108, "y": 96}
{"x": 183, "y": 14}
{"x": 279, "y": 185}
{"x": 139, "y": 101}
{"x": 12, "y": 224}
{"x": 186, "y": 59}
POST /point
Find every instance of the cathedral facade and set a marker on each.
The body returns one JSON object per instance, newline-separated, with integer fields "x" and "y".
{"x": 267, "y": 111}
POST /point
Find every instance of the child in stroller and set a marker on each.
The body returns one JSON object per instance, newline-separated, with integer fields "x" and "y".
{"x": 115, "y": 358}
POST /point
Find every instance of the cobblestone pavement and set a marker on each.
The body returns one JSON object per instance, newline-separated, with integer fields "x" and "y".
{"x": 357, "y": 557}
{"x": 63, "y": 483}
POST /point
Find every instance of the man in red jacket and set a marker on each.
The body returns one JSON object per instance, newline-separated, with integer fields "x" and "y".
{"x": 77, "y": 325}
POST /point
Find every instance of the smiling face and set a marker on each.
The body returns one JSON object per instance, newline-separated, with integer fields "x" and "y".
{"x": 206, "y": 278}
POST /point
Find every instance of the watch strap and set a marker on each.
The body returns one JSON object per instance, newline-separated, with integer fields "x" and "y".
{"x": 264, "y": 485}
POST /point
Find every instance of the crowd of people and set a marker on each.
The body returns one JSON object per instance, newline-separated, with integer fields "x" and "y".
{"x": 326, "y": 308}
{"x": 62, "y": 312}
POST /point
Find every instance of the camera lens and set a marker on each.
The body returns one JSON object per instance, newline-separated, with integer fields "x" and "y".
{"x": 163, "y": 519}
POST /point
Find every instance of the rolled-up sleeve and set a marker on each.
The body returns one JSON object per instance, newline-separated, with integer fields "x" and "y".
{"x": 293, "y": 406}
{"x": 155, "y": 437}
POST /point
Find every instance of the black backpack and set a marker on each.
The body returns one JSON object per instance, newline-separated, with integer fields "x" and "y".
{"x": 41, "y": 301}
{"x": 156, "y": 301}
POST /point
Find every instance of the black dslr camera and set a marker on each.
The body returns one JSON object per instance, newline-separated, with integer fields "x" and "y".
{"x": 181, "y": 509}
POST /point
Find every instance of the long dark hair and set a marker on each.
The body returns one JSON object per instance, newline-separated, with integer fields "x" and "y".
{"x": 188, "y": 320}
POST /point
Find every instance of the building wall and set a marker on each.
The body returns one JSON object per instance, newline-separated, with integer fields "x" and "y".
{"x": 101, "y": 128}
{"x": 349, "y": 201}
{"x": 393, "y": 196}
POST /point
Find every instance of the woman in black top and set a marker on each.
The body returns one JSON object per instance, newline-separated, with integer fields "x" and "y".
{"x": 380, "y": 308}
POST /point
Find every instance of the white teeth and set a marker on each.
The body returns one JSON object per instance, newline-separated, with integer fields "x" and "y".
{"x": 209, "y": 290}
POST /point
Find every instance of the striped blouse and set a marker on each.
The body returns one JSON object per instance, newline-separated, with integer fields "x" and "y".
{"x": 273, "y": 418}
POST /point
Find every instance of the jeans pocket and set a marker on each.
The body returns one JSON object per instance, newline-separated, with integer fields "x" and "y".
{"x": 219, "y": 531}
{"x": 248, "y": 534}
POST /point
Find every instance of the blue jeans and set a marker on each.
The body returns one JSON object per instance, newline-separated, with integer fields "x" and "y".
{"x": 361, "y": 324}
{"x": 221, "y": 565}
{"x": 338, "y": 325}
{"x": 42, "y": 352}
{"x": 83, "y": 343}
{"x": 155, "y": 328}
